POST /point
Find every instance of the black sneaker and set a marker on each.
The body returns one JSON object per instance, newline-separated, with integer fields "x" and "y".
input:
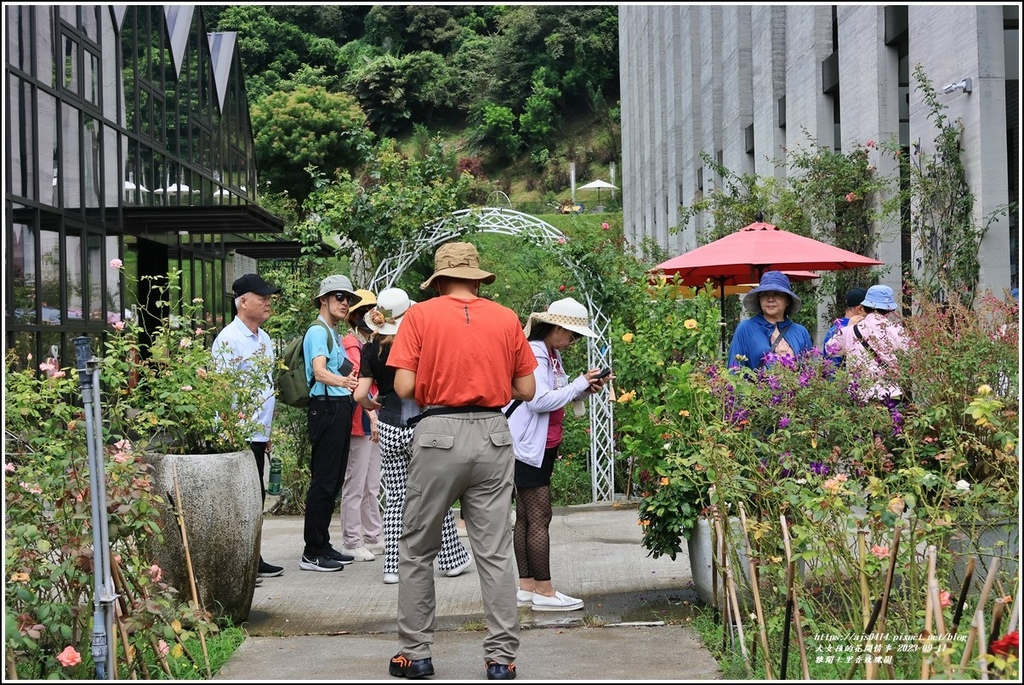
{"x": 402, "y": 666}
{"x": 344, "y": 559}
{"x": 320, "y": 563}
{"x": 496, "y": 671}
{"x": 269, "y": 570}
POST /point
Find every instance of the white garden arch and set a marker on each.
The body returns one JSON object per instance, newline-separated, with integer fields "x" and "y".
{"x": 599, "y": 350}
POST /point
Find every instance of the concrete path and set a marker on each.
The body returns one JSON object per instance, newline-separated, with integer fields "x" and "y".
{"x": 341, "y": 626}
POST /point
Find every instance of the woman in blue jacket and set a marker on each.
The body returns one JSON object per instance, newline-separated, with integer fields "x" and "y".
{"x": 770, "y": 333}
{"x": 536, "y": 435}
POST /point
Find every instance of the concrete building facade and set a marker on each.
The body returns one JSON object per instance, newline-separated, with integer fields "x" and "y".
{"x": 742, "y": 83}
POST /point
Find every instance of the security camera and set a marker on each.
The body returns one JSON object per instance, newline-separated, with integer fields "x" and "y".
{"x": 964, "y": 85}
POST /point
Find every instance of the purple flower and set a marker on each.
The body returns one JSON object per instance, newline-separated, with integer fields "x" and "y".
{"x": 783, "y": 422}
{"x": 819, "y": 468}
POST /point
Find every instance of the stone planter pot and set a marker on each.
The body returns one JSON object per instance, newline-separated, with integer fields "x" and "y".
{"x": 223, "y": 515}
{"x": 704, "y": 562}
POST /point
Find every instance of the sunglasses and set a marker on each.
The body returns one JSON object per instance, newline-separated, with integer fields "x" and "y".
{"x": 342, "y": 297}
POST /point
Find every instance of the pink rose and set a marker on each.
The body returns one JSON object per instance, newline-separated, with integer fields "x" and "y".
{"x": 116, "y": 263}
{"x": 69, "y": 657}
{"x": 880, "y": 551}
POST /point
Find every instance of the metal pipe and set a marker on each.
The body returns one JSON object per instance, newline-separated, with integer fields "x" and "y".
{"x": 103, "y": 594}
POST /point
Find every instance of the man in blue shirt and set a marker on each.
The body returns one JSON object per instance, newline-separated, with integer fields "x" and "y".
{"x": 241, "y": 342}
{"x": 854, "y": 297}
{"x": 329, "y": 422}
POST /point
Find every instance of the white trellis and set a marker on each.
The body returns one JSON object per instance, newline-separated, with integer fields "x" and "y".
{"x": 599, "y": 350}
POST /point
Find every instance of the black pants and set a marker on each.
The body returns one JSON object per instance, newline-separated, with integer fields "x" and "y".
{"x": 330, "y": 429}
{"x": 259, "y": 450}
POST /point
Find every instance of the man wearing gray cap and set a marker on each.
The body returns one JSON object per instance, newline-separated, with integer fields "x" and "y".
{"x": 332, "y": 378}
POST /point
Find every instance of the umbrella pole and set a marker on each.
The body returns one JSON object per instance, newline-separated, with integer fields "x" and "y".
{"x": 721, "y": 298}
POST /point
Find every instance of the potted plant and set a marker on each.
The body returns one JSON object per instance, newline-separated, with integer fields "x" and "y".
{"x": 192, "y": 421}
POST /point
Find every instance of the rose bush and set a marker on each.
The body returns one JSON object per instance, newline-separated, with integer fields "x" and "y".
{"x": 794, "y": 442}
{"x": 166, "y": 395}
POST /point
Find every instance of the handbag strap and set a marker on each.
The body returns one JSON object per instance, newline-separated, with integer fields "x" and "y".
{"x": 868, "y": 347}
{"x": 782, "y": 336}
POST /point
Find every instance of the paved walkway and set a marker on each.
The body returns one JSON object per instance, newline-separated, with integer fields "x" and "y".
{"x": 341, "y": 626}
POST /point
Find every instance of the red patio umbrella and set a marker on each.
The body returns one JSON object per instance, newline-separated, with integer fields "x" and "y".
{"x": 743, "y": 256}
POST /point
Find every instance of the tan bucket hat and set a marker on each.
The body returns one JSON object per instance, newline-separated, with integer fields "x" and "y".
{"x": 458, "y": 260}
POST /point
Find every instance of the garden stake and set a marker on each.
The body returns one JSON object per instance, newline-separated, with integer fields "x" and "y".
{"x": 972, "y": 637}
{"x": 935, "y": 602}
{"x": 735, "y": 603}
{"x": 757, "y": 594}
{"x": 958, "y": 610}
{"x": 796, "y": 604}
{"x": 188, "y": 562}
{"x": 1014, "y": 615}
{"x": 789, "y": 619}
{"x": 929, "y": 609}
{"x": 989, "y": 579}
{"x": 997, "y": 619}
{"x": 888, "y": 588}
{"x": 867, "y": 631}
{"x": 156, "y": 650}
{"x": 865, "y": 599}
{"x": 12, "y": 670}
{"x": 121, "y": 609}
{"x": 726, "y": 611}
{"x": 979, "y": 617}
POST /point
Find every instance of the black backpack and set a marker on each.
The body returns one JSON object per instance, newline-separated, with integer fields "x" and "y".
{"x": 292, "y": 386}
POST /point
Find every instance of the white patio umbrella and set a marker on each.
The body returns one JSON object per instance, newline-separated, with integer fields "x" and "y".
{"x": 598, "y": 185}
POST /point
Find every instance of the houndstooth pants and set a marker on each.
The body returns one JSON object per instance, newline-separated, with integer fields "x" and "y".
{"x": 395, "y": 453}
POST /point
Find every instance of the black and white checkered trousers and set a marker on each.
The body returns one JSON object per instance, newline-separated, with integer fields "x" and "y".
{"x": 395, "y": 453}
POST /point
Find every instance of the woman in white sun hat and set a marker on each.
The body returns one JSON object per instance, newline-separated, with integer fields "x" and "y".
{"x": 536, "y": 435}
{"x": 396, "y": 435}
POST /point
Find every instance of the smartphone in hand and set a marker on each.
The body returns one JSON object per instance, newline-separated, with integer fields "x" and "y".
{"x": 605, "y": 372}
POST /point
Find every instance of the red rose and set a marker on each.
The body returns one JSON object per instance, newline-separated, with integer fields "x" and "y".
{"x": 1007, "y": 645}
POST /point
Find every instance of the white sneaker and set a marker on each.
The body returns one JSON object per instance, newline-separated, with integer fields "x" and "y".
{"x": 559, "y": 602}
{"x": 524, "y": 598}
{"x": 359, "y": 553}
{"x": 460, "y": 569}
{"x": 375, "y": 547}
{"x": 390, "y": 578}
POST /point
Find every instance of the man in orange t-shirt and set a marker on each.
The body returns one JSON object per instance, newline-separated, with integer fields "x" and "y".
{"x": 463, "y": 358}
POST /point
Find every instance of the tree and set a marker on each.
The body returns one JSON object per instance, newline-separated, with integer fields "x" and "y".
{"x": 306, "y": 126}
{"x": 393, "y": 200}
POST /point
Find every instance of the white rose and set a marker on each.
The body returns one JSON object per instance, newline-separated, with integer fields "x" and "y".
{"x": 963, "y": 485}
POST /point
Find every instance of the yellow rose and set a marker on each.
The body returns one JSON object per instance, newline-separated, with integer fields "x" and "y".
{"x": 664, "y": 481}
{"x": 627, "y": 338}
{"x": 984, "y": 389}
{"x": 897, "y": 505}
{"x": 690, "y": 324}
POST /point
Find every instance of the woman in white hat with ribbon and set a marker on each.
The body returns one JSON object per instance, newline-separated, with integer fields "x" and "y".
{"x": 396, "y": 435}
{"x": 536, "y": 434}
